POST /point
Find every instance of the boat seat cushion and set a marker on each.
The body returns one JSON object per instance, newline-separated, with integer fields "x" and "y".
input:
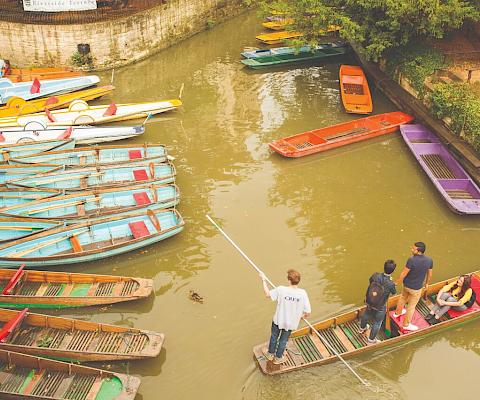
{"x": 417, "y": 319}
{"x": 133, "y": 154}
{"x": 475, "y": 285}
{"x": 140, "y": 175}
{"x": 49, "y": 115}
{"x": 111, "y": 110}
{"x": 139, "y": 229}
{"x": 141, "y": 198}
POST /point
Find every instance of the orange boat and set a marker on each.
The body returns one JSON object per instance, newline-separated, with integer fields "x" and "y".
{"x": 17, "y": 106}
{"x": 356, "y": 96}
{"x": 26, "y": 75}
{"x": 334, "y": 136}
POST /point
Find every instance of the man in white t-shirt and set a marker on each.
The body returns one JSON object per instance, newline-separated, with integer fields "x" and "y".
{"x": 292, "y": 305}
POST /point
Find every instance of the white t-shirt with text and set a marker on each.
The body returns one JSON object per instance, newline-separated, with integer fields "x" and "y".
{"x": 291, "y": 304}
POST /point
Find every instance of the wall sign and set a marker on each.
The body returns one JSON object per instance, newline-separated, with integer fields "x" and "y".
{"x": 59, "y": 5}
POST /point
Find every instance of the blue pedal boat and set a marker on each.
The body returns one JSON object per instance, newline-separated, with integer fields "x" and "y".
{"x": 29, "y": 148}
{"x": 77, "y": 207}
{"x": 13, "y": 197}
{"x": 17, "y": 228}
{"x": 96, "y": 155}
{"x": 89, "y": 178}
{"x": 36, "y": 89}
{"x": 92, "y": 240}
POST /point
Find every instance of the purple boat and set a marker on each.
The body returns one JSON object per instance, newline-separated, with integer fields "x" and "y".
{"x": 451, "y": 180}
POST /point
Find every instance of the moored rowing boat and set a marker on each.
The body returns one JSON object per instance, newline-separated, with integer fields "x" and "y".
{"x": 29, "y": 74}
{"x": 354, "y": 90}
{"x": 12, "y": 197}
{"x": 323, "y": 139}
{"x": 306, "y": 349}
{"x": 28, "y": 148}
{"x": 28, "y": 377}
{"x": 17, "y": 228}
{"x": 45, "y": 289}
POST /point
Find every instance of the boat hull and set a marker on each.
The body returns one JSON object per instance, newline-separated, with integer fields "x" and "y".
{"x": 355, "y": 93}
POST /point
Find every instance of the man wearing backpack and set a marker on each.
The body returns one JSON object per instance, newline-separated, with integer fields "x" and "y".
{"x": 380, "y": 288}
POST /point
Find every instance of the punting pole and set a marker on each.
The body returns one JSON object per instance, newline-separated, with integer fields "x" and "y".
{"x": 312, "y": 328}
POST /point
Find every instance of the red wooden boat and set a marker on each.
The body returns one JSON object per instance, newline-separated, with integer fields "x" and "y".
{"x": 306, "y": 143}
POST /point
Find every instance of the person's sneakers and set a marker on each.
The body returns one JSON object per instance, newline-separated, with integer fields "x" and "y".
{"x": 363, "y": 330}
{"x": 395, "y": 315}
{"x": 374, "y": 341}
{"x": 278, "y": 361}
{"x": 267, "y": 355}
{"x": 410, "y": 327}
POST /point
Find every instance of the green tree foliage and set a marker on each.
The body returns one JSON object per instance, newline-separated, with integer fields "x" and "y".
{"x": 378, "y": 24}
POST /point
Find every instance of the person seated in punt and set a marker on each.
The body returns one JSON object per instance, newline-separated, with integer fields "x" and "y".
{"x": 456, "y": 296}
{"x": 292, "y": 305}
{"x": 380, "y": 288}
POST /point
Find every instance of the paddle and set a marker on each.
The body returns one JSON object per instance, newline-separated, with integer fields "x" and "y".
{"x": 312, "y": 328}
{"x": 55, "y": 206}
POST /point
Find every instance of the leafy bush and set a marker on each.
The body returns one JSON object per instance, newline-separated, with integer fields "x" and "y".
{"x": 415, "y": 61}
{"x": 461, "y": 104}
{"x": 80, "y": 60}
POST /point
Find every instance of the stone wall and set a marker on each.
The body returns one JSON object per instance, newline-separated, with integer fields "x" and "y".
{"x": 113, "y": 42}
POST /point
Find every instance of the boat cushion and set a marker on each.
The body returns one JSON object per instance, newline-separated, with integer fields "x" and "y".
{"x": 11, "y": 325}
{"x": 67, "y": 133}
{"x": 475, "y": 285}
{"x": 417, "y": 319}
{"x": 35, "y": 88}
{"x": 49, "y": 115}
{"x": 133, "y": 154}
{"x": 141, "y": 198}
{"x": 51, "y": 100}
{"x": 140, "y": 175}
{"x": 139, "y": 229}
{"x": 17, "y": 276}
{"x": 111, "y": 110}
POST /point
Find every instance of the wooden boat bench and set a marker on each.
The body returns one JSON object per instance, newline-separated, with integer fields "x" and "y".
{"x": 437, "y": 165}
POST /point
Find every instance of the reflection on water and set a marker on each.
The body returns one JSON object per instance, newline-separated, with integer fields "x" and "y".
{"x": 335, "y": 216}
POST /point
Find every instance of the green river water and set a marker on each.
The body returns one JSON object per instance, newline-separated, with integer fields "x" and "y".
{"x": 335, "y": 217}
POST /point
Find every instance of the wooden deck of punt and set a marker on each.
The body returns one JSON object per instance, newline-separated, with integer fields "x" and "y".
{"x": 77, "y": 207}
{"x": 28, "y": 377}
{"x": 438, "y": 166}
{"x": 93, "y": 178}
{"x": 77, "y": 340}
{"x": 45, "y": 289}
{"x": 96, "y": 155}
{"x": 23, "y": 149}
{"x": 354, "y": 90}
{"x": 306, "y": 349}
{"x": 93, "y": 240}
{"x": 331, "y": 137}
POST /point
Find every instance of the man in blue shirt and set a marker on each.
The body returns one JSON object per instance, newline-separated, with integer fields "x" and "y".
{"x": 416, "y": 274}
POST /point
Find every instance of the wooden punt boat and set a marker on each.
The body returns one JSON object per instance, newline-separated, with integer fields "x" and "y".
{"x": 74, "y": 340}
{"x": 285, "y": 57}
{"x": 306, "y": 349}
{"x": 288, "y": 50}
{"x": 12, "y": 197}
{"x": 328, "y": 138}
{"x": 17, "y": 228}
{"x": 279, "y": 24}
{"x": 44, "y": 289}
{"x": 96, "y": 155}
{"x": 78, "y": 207}
{"x": 80, "y": 113}
{"x": 28, "y": 377}
{"x": 17, "y": 106}
{"x": 14, "y": 172}
{"x": 451, "y": 180}
{"x": 36, "y": 89}
{"x": 93, "y": 240}
{"x": 25, "y": 149}
{"x": 30, "y": 74}
{"x": 91, "y": 178}
{"x": 354, "y": 90}
{"x": 84, "y": 134}
{"x": 278, "y": 37}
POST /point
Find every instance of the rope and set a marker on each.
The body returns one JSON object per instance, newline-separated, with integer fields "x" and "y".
{"x": 312, "y": 328}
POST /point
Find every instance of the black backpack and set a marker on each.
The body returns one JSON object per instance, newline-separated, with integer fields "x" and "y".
{"x": 375, "y": 297}
{"x": 470, "y": 302}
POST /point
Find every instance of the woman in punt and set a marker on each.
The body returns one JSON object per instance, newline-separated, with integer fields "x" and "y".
{"x": 456, "y": 295}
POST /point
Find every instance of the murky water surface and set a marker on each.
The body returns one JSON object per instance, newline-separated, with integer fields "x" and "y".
{"x": 336, "y": 217}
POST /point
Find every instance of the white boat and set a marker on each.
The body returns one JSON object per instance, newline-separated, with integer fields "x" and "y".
{"x": 84, "y": 134}
{"x": 80, "y": 113}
